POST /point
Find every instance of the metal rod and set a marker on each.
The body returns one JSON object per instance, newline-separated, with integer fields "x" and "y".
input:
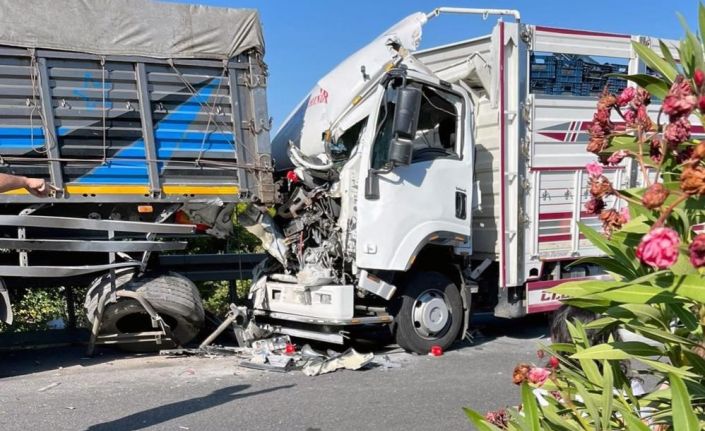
{"x": 147, "y": 128}
{"x": 91, "y": 224}
{"x": 51, "y": 141}
{"x": 229, "y": 319}
{"x": 90, "y": 245}
{"x": 474, "y": 11}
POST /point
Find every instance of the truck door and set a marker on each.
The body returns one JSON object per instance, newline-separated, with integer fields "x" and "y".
{"x": 428, "y": 200}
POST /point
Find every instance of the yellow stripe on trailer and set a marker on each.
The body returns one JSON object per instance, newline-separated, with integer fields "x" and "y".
{"x": 141, "y": 190}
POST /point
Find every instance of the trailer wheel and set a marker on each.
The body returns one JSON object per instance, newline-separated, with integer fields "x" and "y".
{"x": 173, "y": 296}
{"x": 429, "y": 313}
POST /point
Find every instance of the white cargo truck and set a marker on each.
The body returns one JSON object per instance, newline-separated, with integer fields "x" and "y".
{"x": 422, "y": 185}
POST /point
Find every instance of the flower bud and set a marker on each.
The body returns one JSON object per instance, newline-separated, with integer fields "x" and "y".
{"x": 697, "y": 251}
{"x": 594, "y": 206}
{"x": 699, "y": 78}
{"x": 655, "y": 196}
{"x": 600, "y": 187}
{"x": 699, "y": 151}
{"x": 553, "y": 362}
{"x": 521, "y": 373}
{"x": 693, "y": 180}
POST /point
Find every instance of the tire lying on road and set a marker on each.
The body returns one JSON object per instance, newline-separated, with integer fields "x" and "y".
{"x": 174, "y": 297}
{"x": 429, "y": 312}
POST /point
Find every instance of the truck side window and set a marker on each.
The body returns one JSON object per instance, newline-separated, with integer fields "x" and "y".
{"x": 340, "y": 150}
{"x": 437, "y": 133}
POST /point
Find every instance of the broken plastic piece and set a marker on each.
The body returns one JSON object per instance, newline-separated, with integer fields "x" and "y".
{"x": 350, "y": 360}
{"x": 271, "y": 344}
{"x": 436, "y": 350}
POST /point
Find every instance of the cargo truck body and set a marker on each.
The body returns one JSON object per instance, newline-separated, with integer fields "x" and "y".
{"x": 149, "y": 118}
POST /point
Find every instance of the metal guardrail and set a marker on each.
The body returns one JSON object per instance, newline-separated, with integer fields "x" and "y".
{"x": 211, "y": 267}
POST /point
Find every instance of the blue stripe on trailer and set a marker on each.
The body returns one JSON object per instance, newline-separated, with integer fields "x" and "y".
{"x": 171, "y": 135}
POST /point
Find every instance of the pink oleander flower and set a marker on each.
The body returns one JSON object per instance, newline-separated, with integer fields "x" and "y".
{"x": 659, "y": 248}
{"x": 594, "y": 169}
{"x": 676, "y": 132}
{"x": 697, "y": 251}
{"x": 680, "y": 100}
{"x": 626, "y": 96}
{"x": 498, "y": 418}
{"x": 617, "y": 157}
{"x": 624, "y": 213}
{"x": 538, "y": 375}
{"x": 630, "y": 116}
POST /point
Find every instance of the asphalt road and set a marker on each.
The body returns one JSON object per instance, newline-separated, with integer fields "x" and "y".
{"x": 59, "y": 389}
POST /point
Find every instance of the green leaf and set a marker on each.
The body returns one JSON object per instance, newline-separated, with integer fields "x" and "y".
{"x": 607, "y": 398}
{"x": 667, "y": 55}
{"x": 652, "y": 84}
{"x": 691, "y": 287}
{"x": 531, "y": 408}
{"x": 639, "y": 294}
{"x": 684, "y": 418}
{"x": 635, "y": 423}
{"x": 667, "y": 368}
{"x": 607, "y": 264}
{"x": 479, "y": 421}
{"x": 657, "y": 334}
{"x": 619, "y": 350}
{"x": 655, "y": 62}
{"x": 589, "y": 403}
{"x": 686, "y": 317}
{"x": 701, "y": 20}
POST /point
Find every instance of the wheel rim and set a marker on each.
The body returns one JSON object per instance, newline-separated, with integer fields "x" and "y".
{"x": 431, "y": 314}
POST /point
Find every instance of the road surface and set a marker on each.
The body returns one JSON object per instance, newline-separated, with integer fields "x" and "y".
{"x": 59, "y": 389}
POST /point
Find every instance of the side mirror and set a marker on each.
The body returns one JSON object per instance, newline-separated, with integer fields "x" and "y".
{"x": 400, "y": 152}
{"x": 406, "y": 117}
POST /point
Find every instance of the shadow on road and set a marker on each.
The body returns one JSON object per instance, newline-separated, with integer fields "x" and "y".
{"x": 22, "y": 362}
{"x": 167, "y": 412}
{"x": 486, "y": 328}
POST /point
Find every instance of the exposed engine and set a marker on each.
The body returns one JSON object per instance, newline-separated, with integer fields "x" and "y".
{"x": 304, "y": 234}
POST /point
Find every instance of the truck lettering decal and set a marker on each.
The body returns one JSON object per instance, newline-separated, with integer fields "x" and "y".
{"x": 321, "y": 97}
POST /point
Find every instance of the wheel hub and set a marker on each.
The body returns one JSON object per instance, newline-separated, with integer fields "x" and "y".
{"x": 430, "y": 314}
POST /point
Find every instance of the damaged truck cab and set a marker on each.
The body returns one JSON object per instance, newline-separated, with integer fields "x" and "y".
{"x": 376, "y": 223}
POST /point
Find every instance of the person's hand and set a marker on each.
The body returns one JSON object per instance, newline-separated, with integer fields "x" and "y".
{"x": 38, "y": 187}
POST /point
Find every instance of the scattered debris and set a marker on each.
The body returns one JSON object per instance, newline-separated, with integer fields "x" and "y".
{"x": 271, "y": 344}
{"x": 350, "y": 360}
{"x": 49, "y": 386}
{"x": 387, "y": 363}
{"x": 70, "y": 408}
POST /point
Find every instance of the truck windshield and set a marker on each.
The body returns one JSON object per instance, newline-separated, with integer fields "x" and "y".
{"x": 437, "y": 133}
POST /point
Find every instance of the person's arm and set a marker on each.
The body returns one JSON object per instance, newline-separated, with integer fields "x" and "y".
{"x": 36, "y": 186}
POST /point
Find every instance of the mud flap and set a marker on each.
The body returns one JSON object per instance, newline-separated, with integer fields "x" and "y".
{"x": 5, "y": 305}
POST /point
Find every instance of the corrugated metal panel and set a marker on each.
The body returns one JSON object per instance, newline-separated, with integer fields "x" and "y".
{"x": 96, "y": 113}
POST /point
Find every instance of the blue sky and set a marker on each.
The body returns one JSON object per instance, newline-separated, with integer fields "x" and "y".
{"x": 305, "y": 39}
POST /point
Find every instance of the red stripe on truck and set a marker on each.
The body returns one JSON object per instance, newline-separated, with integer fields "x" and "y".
{"x": 580, "y": 32}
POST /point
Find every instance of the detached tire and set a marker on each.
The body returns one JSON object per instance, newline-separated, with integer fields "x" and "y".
{"x": 173, "y": 296}
{"x": 429, "y": 313}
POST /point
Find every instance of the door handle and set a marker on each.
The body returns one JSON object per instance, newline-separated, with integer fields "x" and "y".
{"x": 461, "y": 205}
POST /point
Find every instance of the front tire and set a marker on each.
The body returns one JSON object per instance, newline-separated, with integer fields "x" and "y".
{"x": 429, "y": 313}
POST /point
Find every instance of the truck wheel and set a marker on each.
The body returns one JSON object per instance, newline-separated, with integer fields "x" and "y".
{"x": 430, "y": 313}
{"x": 173, "y": 296}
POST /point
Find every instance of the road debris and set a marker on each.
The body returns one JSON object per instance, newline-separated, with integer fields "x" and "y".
{"x": 387, "y": 364}
{"x": 350, "y": 360}
{"x": 49, "y": 386}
